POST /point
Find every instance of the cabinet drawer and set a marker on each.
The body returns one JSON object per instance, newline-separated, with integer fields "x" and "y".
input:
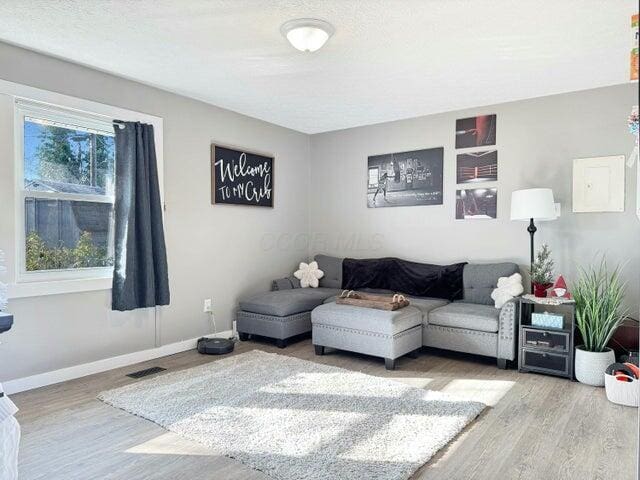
{"x": 545, "y": 339}
{"x": 545, "y": 361}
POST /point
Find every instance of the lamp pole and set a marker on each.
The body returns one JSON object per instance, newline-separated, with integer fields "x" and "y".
{"x": 532, "y": 229}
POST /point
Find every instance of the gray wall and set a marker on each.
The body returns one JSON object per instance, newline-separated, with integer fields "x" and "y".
{"x": 536, "y": 142}
{"x": 227, "y": 251}
{"x": 213, "y": 251}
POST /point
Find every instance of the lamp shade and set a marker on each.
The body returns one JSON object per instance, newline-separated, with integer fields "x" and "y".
{"x": 536, "y": 203}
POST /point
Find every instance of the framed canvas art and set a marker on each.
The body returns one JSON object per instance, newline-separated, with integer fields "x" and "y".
{"x": 240, "y": 177}
{"x": 405, "y": 179}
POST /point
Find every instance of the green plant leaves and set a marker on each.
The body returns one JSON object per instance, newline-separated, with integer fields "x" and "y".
{"x": 542, "y": 269}
{"x": 598, "y": 295}
{"x": 85, "y": 254}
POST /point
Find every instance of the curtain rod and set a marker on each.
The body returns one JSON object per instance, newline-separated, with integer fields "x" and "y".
{"x": 118, "y": 123}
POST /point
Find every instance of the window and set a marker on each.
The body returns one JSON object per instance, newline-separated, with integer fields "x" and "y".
{"x": 66, "y": 192}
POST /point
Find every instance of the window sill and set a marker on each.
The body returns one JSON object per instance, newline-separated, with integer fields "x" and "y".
{"x": 57, "y": 287}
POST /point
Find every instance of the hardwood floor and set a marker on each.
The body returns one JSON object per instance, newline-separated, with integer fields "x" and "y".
{"x": 537, "y": 427}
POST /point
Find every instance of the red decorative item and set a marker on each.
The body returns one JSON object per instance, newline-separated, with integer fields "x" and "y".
{"x": 634, "y": 369}
{"x": 559, "y": 289}
{"x": 540, "y": 289}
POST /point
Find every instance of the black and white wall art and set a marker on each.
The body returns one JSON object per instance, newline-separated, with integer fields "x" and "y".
{"x": 475, "y": 167}
{"x": 405, "y": 179}
{"x": 477, "y": 131}
{"x": 476, "y": 203}
{"x": 239, "y": 177}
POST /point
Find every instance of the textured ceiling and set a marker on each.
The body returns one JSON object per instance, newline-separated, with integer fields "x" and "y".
{"x": 389, "y": 59}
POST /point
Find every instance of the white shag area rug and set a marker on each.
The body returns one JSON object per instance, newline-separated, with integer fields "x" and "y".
{"x": 298, "y": 420}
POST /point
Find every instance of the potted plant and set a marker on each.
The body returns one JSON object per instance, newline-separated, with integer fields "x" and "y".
{"x": 598, "y": 295}
{"x": 542, "y": 272}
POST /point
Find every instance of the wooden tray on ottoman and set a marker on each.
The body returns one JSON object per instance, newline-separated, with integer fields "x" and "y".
{"x": 369, "y": 300}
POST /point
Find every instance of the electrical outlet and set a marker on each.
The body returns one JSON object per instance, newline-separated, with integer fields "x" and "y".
{"x": 207, "y": 305}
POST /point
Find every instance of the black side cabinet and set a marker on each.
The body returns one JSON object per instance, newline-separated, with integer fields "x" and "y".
{"x": 544, "y": 349}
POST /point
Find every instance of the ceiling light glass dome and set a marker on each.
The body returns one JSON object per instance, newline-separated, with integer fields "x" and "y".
{"x": 307, "y": 34}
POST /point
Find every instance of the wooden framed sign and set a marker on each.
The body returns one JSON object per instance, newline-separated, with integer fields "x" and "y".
{"x": 239, "y": 177}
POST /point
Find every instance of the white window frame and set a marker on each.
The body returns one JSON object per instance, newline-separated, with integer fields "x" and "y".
{"x": 34, "y": 284}
{"x": 24, "y": 109}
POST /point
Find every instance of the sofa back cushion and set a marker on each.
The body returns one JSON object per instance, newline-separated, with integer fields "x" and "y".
{"x": 332, "y": 268}
{"x": 481, "y": 279}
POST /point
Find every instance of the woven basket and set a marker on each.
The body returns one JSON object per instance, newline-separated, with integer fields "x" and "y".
{"x": 622, "y": 393}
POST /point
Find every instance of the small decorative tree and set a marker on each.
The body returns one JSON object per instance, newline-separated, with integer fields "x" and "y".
{"x": 542, "y": 271}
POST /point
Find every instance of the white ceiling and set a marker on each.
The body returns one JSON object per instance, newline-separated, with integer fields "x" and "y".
{"x": 389, "y": 59}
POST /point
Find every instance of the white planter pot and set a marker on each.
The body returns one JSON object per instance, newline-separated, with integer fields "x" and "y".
{"x": 590, "y": 366}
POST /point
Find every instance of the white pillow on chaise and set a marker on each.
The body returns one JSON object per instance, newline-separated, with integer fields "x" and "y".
{"x": 309, "y": 274}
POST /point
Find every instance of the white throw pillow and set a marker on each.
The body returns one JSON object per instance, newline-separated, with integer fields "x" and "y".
{"x": 508, "y": 287}
{"x": 309, "y": 274}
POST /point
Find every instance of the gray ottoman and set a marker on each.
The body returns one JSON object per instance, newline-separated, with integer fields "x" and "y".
{"x": 382, "y": 333}
{"x": 279, "y": 314}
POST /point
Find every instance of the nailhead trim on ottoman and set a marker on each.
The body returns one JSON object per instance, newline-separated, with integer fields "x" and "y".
{"x": 272, "y": 326}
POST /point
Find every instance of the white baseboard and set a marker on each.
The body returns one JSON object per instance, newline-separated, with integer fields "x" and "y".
{"x": 78, "y": 371}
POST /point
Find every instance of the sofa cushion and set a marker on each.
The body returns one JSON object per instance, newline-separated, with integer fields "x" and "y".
{"x": 471, "y": 316}
{"x": 425, "y": 304}
{"x": 481, "y": 279}
{"x": 332, "y": 268}
{"x": 286, "y": 302}
{"x": 366, "y": 319}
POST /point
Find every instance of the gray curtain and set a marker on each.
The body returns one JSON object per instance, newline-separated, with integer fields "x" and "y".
{"x": 140, "y": 277}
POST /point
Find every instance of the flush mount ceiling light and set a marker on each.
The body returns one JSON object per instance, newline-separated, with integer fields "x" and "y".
{"x": 307, "y": 34}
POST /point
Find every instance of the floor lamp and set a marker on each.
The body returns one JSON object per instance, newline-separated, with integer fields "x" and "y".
{"x": 530, "y": 205}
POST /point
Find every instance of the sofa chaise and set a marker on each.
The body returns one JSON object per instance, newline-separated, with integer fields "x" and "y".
{"x": 471, "y": 324}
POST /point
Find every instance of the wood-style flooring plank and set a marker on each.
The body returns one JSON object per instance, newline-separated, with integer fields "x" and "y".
{"x": 536, "y": 427}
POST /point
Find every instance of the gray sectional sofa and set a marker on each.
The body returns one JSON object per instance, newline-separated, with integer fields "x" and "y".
{"x": 471, "y": 325}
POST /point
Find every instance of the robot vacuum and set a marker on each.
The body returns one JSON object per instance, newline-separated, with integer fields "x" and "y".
{"x": 215, "y": 346}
